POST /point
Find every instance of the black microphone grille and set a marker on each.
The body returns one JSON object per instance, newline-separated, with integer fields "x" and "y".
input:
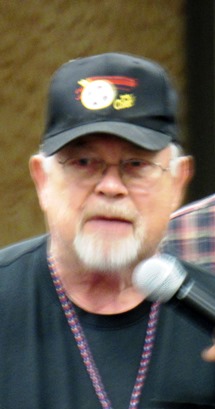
{"x": 159, "y": 277}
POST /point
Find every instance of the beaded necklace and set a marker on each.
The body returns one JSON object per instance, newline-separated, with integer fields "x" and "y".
{"x": 86, "y": 354}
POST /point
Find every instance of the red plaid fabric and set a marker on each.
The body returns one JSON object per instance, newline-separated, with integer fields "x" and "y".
{"x": 191, "y": 233}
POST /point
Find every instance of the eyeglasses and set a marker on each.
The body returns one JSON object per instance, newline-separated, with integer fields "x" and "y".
{"x": 132, "y": 171}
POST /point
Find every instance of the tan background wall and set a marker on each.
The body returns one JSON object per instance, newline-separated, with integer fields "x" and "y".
{"x": 39, "y": 35}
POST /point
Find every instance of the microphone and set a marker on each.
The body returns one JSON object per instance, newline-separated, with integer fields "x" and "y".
{"x": 163, "y": 278}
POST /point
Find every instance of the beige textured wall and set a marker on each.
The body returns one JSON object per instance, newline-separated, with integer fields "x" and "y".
{"x": 39, "y": 35}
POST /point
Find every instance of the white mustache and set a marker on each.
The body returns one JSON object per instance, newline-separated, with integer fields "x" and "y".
{"x": 113, "y": 211}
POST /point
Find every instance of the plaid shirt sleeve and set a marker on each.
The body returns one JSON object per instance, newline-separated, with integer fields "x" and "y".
{"x": 191, "y": 234}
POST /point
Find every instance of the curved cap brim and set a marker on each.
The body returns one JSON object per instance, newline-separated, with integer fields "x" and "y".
{"x": 143, "y": 137}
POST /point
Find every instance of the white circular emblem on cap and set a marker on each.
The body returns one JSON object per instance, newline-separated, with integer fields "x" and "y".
{"x": 98, "y": 94}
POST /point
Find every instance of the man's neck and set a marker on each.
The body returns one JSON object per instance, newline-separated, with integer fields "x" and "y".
{"x": 103, "y": 297}
{"x": 97, "y": 292}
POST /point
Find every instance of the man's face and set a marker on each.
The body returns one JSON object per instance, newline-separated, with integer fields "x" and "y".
{"x": 106, "y": 223}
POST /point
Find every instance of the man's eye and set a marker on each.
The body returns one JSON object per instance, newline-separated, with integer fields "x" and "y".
{"x": 135, "y": 163}
{"x": 83, "y": 162}
{"x": 80, "y": 162}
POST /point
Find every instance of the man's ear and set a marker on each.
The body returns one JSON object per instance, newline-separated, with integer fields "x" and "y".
{"x": 39, "y": 177}
{"x": 184, "y": 172}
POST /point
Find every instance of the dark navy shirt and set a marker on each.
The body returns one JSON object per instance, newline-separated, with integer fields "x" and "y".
{"x": 41, "y": 367}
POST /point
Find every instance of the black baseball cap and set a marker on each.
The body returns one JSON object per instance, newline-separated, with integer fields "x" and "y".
{"x": 112, "y": 93}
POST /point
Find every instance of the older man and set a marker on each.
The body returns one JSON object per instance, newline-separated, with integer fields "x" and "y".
{"x": 75, "y": 331}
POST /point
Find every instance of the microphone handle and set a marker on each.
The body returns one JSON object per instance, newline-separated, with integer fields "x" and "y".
{"x": 195, "y": 305}
{"x": 198, "y": 298}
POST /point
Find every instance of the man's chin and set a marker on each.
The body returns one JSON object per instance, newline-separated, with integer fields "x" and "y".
{"x": 106, "y": 255}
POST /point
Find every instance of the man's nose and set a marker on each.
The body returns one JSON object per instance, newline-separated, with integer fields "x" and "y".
{"x": 111, "y": 183}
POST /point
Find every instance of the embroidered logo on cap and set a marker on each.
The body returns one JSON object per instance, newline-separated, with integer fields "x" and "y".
{"x": 101, "y": 92}
{"x": 98, "y": 94}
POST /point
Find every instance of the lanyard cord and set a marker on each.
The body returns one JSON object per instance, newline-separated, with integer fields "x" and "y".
{"x": 86, "y": 354}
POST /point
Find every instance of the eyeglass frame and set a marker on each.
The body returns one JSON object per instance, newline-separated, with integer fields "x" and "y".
{"x": 105, "y": 165}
